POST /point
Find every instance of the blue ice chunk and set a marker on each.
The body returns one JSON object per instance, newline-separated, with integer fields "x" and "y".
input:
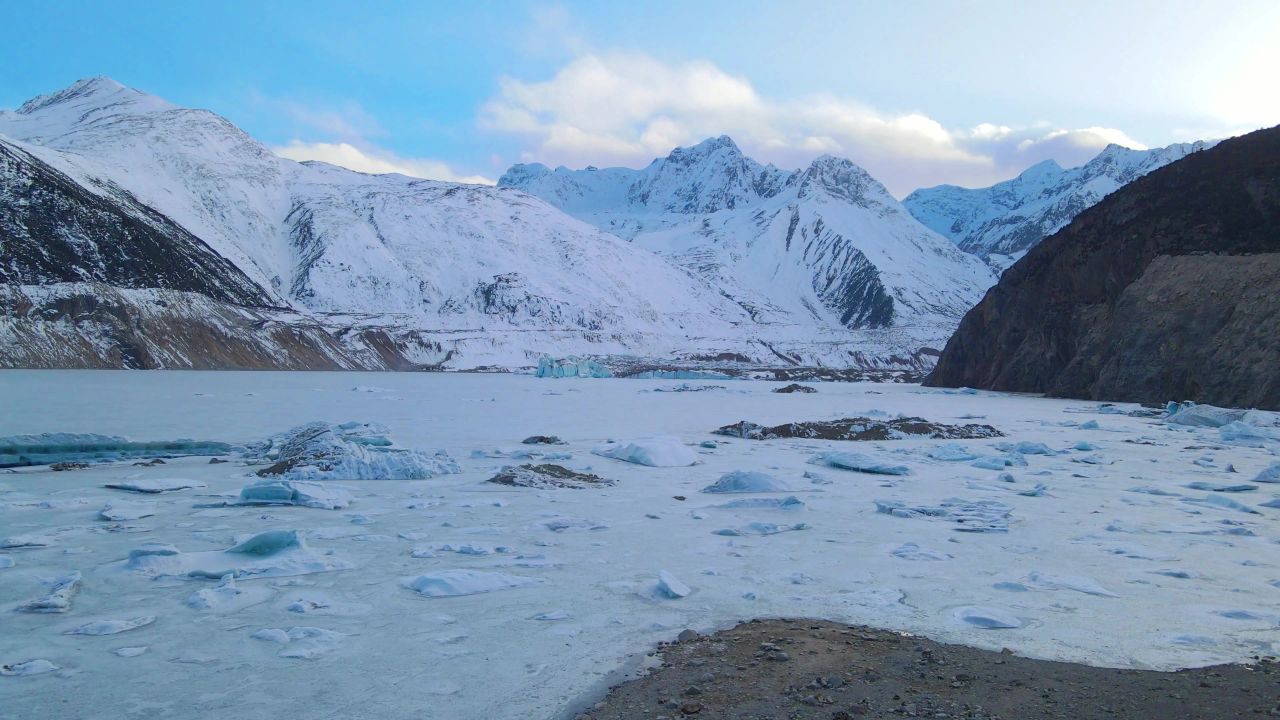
{"x": 571, "y": 367}
{"x": 747, "y": 481}
{"x": 1089, "y": 425}
{"x": 1214, "y": 487}
{"x": 1010, "y": 586}
{"x": 1239, "y": 433}
{"x": 1270, "y": 475}
{"x": 48, "y": 448}
{"x": 859, "y": 462}
{"x": 999, "y": 462}
{"x": 1148, "y": 490}
{"x": 951, "y": 452}
{"x": 1026, "y": 448}
{"x": 1222, "y": 501}
{"x": 760, "y": 528}
{"x": 1083, "y": 446}
{"x": 790, "y": 502}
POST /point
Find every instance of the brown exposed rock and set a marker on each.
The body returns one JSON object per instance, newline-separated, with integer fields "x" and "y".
{"x": 860, "y": 428}
{"x": 839, "y": 672}
{"x": 795, "y": 388}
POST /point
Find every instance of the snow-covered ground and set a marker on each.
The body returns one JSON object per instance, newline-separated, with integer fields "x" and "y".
{"x": 570, "y": 585}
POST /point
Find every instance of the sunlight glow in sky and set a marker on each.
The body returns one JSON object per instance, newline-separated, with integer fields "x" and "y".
{"x": 919, "y": 93}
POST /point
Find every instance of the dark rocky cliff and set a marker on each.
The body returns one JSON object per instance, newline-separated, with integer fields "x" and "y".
{"x": 1167, "y": 289}
{"x": 54, "y": 230}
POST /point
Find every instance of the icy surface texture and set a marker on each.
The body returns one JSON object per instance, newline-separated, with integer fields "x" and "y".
{"x": 350, "y": 451}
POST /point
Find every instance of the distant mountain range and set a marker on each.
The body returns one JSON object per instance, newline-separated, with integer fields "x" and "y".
{"x": 1000, "y": 223}
{"x": 136, "y": 233}
{"x": 825, "y": 246}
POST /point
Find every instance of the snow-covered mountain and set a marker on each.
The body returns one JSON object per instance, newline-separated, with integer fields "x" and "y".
{"x": 1000, "y": 223}
{"x": 826, "y": 246}
{"x": 140, "y": 233}
{"x": 313, "y": 238}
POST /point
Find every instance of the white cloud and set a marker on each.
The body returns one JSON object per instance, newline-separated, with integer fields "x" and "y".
{"x": 374, "y": 161}
{"x": 627, "y": 108}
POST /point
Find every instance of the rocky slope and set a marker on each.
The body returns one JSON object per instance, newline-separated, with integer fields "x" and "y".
{"x": 1164, "y": 290}
{"x": 825, "y": 246}
{"x": 1000, "y": 223}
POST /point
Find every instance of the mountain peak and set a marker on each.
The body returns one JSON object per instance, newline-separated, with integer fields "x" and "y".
{"x": 840, "y": 177}
{"x": 1040, "y": 169}
{"x": 521, "y": 174}
{"x": 80, "y": 90}
{"x": 706, "y": 148}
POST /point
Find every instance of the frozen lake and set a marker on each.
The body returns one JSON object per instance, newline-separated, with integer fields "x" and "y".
{"x": 1089, "y": 570}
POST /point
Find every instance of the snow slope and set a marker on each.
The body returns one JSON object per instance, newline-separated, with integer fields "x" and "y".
{"x": 328, "y": 239}
{"x": 1000, "y": 223}
{"x": 1115, "y": 561}
{"x": 825, "y": 246}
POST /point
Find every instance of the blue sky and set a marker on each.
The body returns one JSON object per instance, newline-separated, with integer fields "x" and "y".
{"x": 917, "y": 92}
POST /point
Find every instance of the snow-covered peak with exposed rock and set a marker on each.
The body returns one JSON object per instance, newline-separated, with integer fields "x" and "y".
{"x": 1000, "y": 223}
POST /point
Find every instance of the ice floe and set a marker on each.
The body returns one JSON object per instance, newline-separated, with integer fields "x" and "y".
{"x": 324, "y": 496}
{"x": 978, "y": 516}
{"x": 987, "y": 618}
{"x": 456, "y": 583}
{"x": 670, "y": 587}
{"x": 747, "y": 481}
{"x": 111, "y": 627}
{"x": 28, "y": 667}
{"x": 761, "y": 528}
{"x": 154, "y": 486}
{"x": 789, "y": 503}
{"x": 1080, "y": 584}
{"x": 302, "y": 643}
{"x": 859, "y": 462}
{"x": 350, "y": 451}
{"x": 274, "y": 553}
{"x": 118, "y": 510}
{"x": 58, "y": 600}
{"x": 658, "y": 451}
{"x": 50, "y": 448}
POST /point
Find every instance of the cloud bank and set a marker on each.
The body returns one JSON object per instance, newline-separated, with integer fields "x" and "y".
{"x": 374, "y": 161}
{"x": 628, "y": 108}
